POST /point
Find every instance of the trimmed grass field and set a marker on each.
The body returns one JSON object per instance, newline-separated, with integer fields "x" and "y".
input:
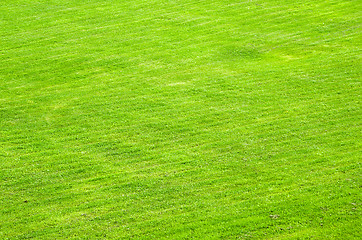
{"x": 176, "y": 119}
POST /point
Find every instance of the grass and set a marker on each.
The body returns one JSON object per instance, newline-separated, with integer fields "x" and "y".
{"x": 180, "y": 119}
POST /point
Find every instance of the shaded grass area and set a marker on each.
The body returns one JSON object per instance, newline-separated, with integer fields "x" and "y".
{"x": 180, "y": 119}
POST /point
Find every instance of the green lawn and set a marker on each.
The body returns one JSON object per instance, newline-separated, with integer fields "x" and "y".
{"x": 176, "y": 119}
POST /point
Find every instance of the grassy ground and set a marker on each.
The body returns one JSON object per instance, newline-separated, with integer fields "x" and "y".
{"x": 180, "y": 119}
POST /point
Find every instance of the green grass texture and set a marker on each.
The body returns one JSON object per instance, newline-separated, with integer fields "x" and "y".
{"x": 180, "y": 119}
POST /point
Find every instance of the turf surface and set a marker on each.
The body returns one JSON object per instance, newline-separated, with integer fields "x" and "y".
{"x": 180, "y": 119}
